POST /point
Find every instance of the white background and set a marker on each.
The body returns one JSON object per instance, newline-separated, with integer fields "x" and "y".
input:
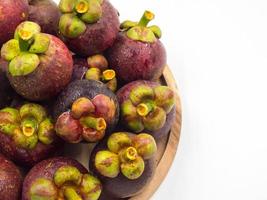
{"x": 217, "y": 50}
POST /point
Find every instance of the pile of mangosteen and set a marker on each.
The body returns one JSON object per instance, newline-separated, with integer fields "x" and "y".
{"x": 74, "y": 74}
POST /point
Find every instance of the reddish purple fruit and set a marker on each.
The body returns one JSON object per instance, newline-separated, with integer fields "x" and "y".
{"x": 85, "y": 111}
{"x": 40, "y": 65}
{"x": 147, "y": 107}
{"x": 6, "y": 92}
{"x": 12, "y": 13}
{"x": 46, "y": 14}
{"x": 125, "y": 163}
{"x": 58, "y": 179}
{"x": 88, "y": 26}
{"x": 10, "y": 180}
{"x": 27, "y": 134}
{"x": 137, "y": 53}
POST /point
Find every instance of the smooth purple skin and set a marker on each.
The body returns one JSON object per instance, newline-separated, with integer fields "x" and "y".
{"x": 80, "y": 67}
{"x": 121, "y": 187}
{"x": 46, "y": 169}
{"x": 123, "y": 94}
{"x": 45, "y": 13}
{"x": 134, "y": 60}
{"x": 51, "y": 76}
{"x": 28, "y": 158}
{"x": 6, "y": 91}
{"x": 98, "y": 36}
{"x": 10, "y": 180}
{"x": 12, "y": 13}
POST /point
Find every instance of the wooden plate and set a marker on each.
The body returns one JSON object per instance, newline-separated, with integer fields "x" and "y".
{"x": 166, "y": 148}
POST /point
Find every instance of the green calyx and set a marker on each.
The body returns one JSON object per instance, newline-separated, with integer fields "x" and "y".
{"x": 147, "y": 107}
{"x": 86, "y": 121}
{"x": 68, "y": 183}
{"x": 27, "y": 125}
{"x": 139, "y": 31}
{"x": 125, "y": 154}
{"x": 76, "y": 14}
{"x": 23, "y": 51}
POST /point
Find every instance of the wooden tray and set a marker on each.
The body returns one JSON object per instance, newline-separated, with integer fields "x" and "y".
{"x": 166, "y": 148}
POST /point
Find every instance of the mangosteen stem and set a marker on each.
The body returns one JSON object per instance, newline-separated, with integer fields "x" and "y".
{"x": 143, "y": 109}
{"x": 129, "y": 153}
{"x": 109, "y": 75}
{"x": 71, "y": 194}
{"x": 98, "y": 124}
{"x": 82, "y": 6}
{"x": 146, "y": 18}
{"x": 29, "y": 126}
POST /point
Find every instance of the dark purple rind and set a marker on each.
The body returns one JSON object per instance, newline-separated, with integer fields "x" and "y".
{"x": 45, "y": 13}
{"x": 85, "y": 88}
{"x": 11, "y": 15}
{"x": 10, "y": 180}
{"x": 46, "y": 169}
{"x": 98, "y": 36}
{"x": 28, "y": 158}
{"x": 50, "y": 77}
{"x": 6, "y": 91}
{"x": 135, "y": 60}
{"x": 121, "y": 187}
{"x": 123, "y": 94}
{"x": 80, "y": 67}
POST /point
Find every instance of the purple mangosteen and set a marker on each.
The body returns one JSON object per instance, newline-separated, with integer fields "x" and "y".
{"x": 27, "y": 134}
{"x": 137, "y": 53}
{"x": 147, "y": 107}
{"x": 88, "y": 26}
{"x": 60, "y": 178}
{"x": 10, "y": 180}
{"x": 40, "y": 65}
{"x": 45, "y": 13}
{"x": 12, "y": 13}
{"x": 86, "y": 111}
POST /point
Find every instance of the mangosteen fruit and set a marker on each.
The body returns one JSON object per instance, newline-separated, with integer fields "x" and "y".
{"x": 137, "y": 53}
{"x": 147, "y": 107}
{"x": 6, "y": 92}
{"x": 45, "y": 13}
{"x": 40, "y": 65}
{"x": 88, "y": 26}
{"x": 95, "y": 68}
{"x": 12, "y": 14}
{"x": 60, "y": 178}
{"x": 85, "y": 111}
{"x": 10, "y": 180}
{"x": 125, "y": 163}
{"x": 27, "y": 134}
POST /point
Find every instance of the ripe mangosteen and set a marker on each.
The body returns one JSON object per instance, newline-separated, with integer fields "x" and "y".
{"x": 12, "y": 14}
{"x": 10, "y": 180}
{"x": 88, "y": 26}
{"x": 27, "y": 134}
{"x": 125, "y": 163}
{"x": 95, "y": 68}
{"x": 137, "y": 53}
{"x": 46, "y": 14}
{"x": 60, "y": 178}
{"x": 40, "y": 65}
{"x": 86, "y": 110}
{"x": 6, "y": 92}
{"x": 147, "y": 107}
